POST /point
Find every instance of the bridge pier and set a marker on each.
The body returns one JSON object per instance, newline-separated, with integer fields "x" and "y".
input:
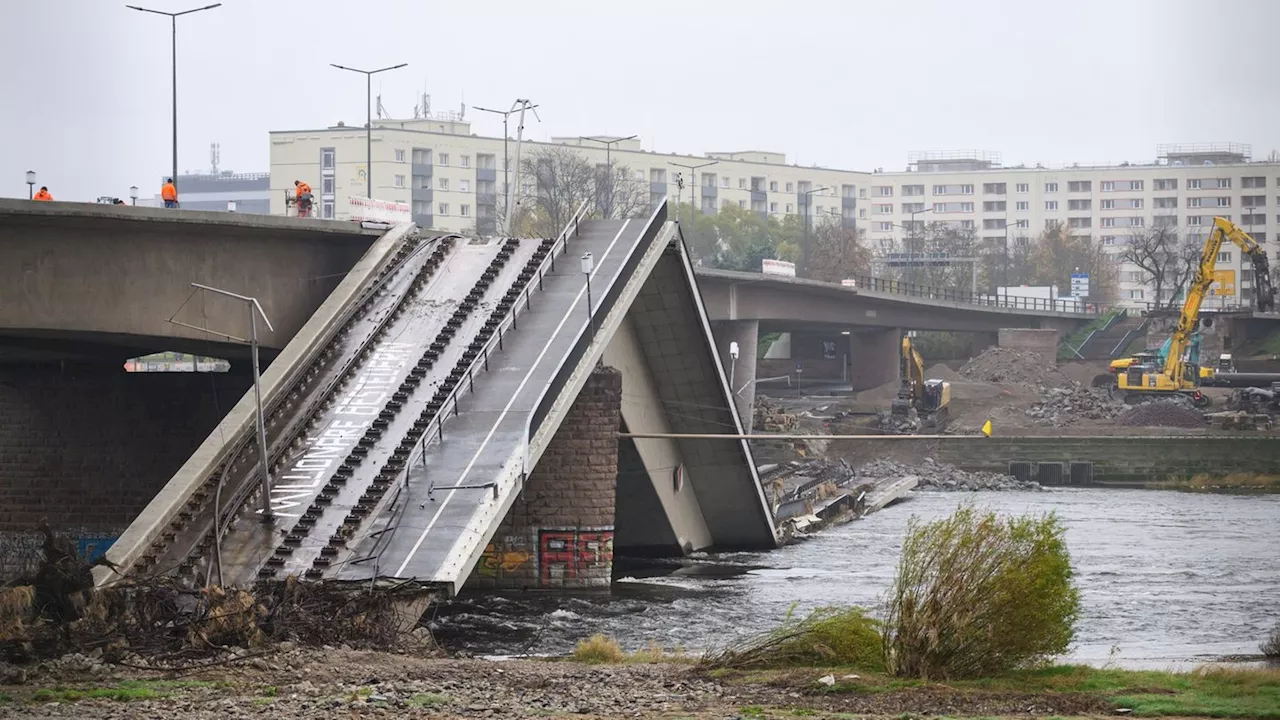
{"x": 873, "y": 357}
{"x": 559, "y": 531}
{"x": 742, "y": 371}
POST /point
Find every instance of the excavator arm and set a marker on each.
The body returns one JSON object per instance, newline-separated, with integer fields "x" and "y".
{"x": 1264, "y": 291}
{"x": 911, "y": 370}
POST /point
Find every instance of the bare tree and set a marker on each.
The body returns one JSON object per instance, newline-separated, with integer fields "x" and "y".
{"x": 1166, "y": 260}
{"x": 835, "y": 253}
{"x": 619, "y": 194}
{"x": 938, "y": 256}
{"x": 558, "y": 179}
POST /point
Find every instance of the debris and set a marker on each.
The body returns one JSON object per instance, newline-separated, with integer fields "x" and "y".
{"x": 1008, "y": 365}
{"x": 769, "y": 417}
{"x": 828, "y": 680}
{"x": 1165, "y": 412}
{"x": 933, "y": 475}
{"x": 1062, "y": 406}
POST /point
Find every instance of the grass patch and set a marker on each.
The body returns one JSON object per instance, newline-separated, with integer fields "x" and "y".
{"x": 429, "y": 700}
{"x": 827, "y": 636}
{"x": 1206, "y": 482}
{"x": 118, "y": 693}
{"x": 599, "y": 650}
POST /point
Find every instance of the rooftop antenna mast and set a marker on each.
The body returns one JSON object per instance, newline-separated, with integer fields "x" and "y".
{"x": 382, "y": 112}
{"x": 215, "y": 156}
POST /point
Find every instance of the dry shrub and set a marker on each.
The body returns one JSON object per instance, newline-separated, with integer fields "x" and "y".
{"x": 977, "y": 595}
{"x": 827, "y": 636}
{"x": 1271, "y": 646}
{"x": 599, "y": 650}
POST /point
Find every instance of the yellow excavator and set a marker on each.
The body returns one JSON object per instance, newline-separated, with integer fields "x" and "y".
{"x": 1178, "y": 374}
{"x": 931, "y": 399}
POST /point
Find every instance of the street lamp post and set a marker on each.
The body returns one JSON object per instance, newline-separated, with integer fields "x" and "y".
{"x": 1005, "y": 273}
{"x": 804, "y": 247}
{"x": 608, "y": 164}
{"x": 516, "y": 106}
{"x": 911, "y": 255}
{"x": 588, "y": 265}
{"x": 31, "y": 184}
{"x": 173, "y": 19}
{"x": 368, "y": 126}
{"x": 693, "y": 180}
{"x": 133, "y": 194}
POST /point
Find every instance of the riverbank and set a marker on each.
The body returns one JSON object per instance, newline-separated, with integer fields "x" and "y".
{"x": 347, "y": 683}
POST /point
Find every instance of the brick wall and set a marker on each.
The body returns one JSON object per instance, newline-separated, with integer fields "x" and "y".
{"x": 1040, "y": 341}
{"x": 86, "y": 447}
{"x": 559, "y": 532}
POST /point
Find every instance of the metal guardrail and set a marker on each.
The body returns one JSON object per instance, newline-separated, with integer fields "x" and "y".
{"x": 896, "y": 287}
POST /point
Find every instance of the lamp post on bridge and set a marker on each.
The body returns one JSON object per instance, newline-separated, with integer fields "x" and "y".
{"x": 368, "y": 127}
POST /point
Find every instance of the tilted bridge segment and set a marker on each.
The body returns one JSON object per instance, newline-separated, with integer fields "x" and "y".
{"x": 410, "y": 413}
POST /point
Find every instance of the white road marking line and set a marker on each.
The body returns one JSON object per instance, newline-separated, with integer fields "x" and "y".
{"x": 467, "y": 470}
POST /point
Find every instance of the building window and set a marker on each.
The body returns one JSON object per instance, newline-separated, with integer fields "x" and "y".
{"x": 326, "y": 209}
{"x": 399, "y": 181}
{"x": 1194, "y": 184}
{"x": 1195, "y": 220}
{"x": 1254, "y": 219}
{"x": 742, "y": 204}
{"x": 1223, "y": 201}
{"x": 1079, "y": 222}
{"x": 1023, "y": 187}
{"x": 862, "y": 212}
{"x": 442, "y": 209}
{"x": 399, "y": 155}
{"x": 444, "y": 184}
{"x": 1083, "y": 204}
{"x": 1166, "y": 184}
{"x": 326, "y": 159}
{"x": 421, "y": 156}
{"x": 464, "y": 210}
{"x": 1194, "y": 202}
{"x": 1135, "y": 294}
{"x": 1166, "y": 203}
{"x": 882, "y": 191}
{"x": 908, "y": 208}
{"x": 884, "y": 226}
{"x": 1022, "y": 206}
{"x": 1050, "y": 204}
{"x": 1224, "y": 257}
{"x": 993, "y": 188}
{"x": 789, "y": 186}
{"x": 464, "y": 186}
{"x": 773, "y": 186}
{"x": 847, "y": 191}
{"x": 1108, "y": 239}
{"x": 773, "y": 207}
{"x": 862, "y": 193}
{"x": 1253, "y": 200}
{"x": 994, "y": 206}
{"x": 953, "y": 207}
{"x": 882, "y": 209}
{"x": 742, "y": 183}
{"x": 465, "y": 161}
{"x": 1051, "y": 187}
{"x": 326, "y": 185}
{"x": 444, "y": 159}
{"x": 912, "y": 190}
{"x": 952, "y": 189}
{"x": 1080, "y": 186}
{"x": 789, "y": 211}
{"x": 1253, "y": 182}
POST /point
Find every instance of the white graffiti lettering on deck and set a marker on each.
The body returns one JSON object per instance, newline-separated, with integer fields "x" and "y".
{"x": 353, "y": 412}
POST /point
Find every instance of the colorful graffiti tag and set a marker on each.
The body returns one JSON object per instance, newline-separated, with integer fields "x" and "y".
{"x": 505, "y": 557}
{"x": 569, "y": 554}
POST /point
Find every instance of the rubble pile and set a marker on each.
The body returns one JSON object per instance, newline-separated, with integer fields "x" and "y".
{"x": 769, "y": 417}
{"x": 1062, "y": 406}
{"x": 1008, "y": 365}
{"x": 933, "y": 475}
{"x": 1165, "y": 412}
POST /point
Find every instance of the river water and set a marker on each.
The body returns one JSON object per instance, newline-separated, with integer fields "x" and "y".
{"x": 1167, "y": 578}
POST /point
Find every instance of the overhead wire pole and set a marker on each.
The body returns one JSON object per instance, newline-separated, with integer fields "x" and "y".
{"x": 608, "y": 163}
{"x": 173, "y": 19}
{"x": 506, "y": 159}
{"x": 804, "y": 248}
{"x": 693, "y": 175}
{"x": 255, "y": 309}
{"x": 368, "y": 127}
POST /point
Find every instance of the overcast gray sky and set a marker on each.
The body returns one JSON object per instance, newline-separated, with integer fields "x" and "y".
{"x": 842, "y": 83}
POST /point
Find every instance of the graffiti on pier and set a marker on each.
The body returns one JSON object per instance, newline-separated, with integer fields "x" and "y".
{"x": 504, "y": 557}
{"x": 574, "y": 554}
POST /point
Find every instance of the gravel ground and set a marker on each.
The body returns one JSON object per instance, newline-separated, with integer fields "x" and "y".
{"x": 341, "y": 683}
{"x": 1170, "y": 412}
{"x": 935, "y": 475}
{"x": 1007, "y": 365}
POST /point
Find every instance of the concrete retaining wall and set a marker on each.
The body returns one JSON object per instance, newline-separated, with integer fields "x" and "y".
{"x": 1040, "y": 341}
{"x": 1116, "y": 460}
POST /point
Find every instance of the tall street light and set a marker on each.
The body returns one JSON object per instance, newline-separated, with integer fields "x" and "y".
{"x": 519, "y": 106}
{"x": 31, "y": 184}
{"x": 368, "y": 126}
{"x": 693, "y": 177}
{"x": 173, "y": 19}
{"x": 804, "y": 247}
{"x": 1017, "y": 223}
{"x": 911, "y": 255}
{"x": 608, "y": 164}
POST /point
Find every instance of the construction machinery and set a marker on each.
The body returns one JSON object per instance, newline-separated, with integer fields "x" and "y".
{"x": 1179, "y": 374}
{"x": 930, "y": 400}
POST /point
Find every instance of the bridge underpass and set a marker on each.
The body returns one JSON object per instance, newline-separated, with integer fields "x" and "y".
{"x": 411, "y": 420}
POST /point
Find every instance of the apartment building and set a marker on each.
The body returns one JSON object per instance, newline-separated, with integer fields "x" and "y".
{"x": 238, "y": 192}
{"x": 1185, "y": 188}
{"x": 453, "y": 181}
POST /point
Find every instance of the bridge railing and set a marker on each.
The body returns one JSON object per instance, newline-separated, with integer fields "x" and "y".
{"x": 928, "y": 292}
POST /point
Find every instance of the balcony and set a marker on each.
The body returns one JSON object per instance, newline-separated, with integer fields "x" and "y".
{"x": 425, "y": 170}
{"x": 710, "y": 191}
{"x": 486, "y": 198}
{"x": 489, "y": 174}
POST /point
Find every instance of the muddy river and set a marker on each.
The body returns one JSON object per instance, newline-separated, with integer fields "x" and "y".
{"x": 1167, "y": 578}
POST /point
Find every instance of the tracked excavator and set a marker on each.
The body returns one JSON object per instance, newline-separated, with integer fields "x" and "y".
{"x": 930, "y": 400}
{"x": 1179, "y": 373}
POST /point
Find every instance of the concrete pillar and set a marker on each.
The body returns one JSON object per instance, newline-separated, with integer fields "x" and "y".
{"x": 873, "y": 357}
{"x": 559, "y": 532}
{"x": 743, "y": 370}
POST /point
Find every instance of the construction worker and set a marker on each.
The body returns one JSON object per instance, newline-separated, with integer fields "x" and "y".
{"x": 43, "y": 195}
{"x": 169, "y": 193}
{"x": 302, "y": 196}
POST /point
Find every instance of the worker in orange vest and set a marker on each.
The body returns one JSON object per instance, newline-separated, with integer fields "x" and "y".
{"x": 302, "y": 195}
{"x": 169, "y": 193}
{"x": 43, "y": 195}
